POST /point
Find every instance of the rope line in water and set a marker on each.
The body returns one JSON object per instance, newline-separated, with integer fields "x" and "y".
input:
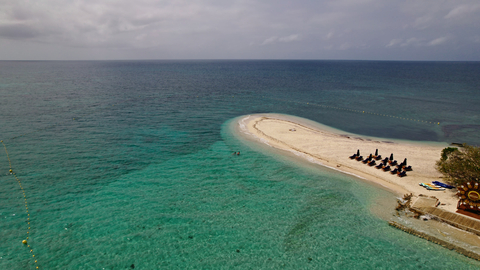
{"x": 97, "y": 107}
{"x": 26, "y": 204}
{"x": 355, "y": 111}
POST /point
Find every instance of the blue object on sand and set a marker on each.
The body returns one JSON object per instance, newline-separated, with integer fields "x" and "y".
{"x": 442, "y": 184}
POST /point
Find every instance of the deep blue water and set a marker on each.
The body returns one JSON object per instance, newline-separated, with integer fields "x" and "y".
{"x": 129, "y": 163}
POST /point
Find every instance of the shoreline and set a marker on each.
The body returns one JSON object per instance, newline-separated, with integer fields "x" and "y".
{"x": 331, "y": 148}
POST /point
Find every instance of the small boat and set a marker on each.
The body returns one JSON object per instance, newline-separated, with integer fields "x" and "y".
{"x": 442, "y": 184}
{"x": 431, "y": 186}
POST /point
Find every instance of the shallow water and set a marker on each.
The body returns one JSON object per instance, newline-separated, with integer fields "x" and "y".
{"x": 130, "y": 163}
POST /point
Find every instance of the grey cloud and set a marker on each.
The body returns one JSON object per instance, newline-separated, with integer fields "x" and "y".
{"x": 438, "y": 41}
{"x": 18, "y": 31}
{"x": 290, "y": 38}
{"x": 362, "y": 29}
{"x": 463, "y": 10}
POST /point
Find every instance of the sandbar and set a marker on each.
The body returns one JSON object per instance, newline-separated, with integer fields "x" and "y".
{"x": 329, "y": 147}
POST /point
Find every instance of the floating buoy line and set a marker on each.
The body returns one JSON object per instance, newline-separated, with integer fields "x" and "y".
{"x": 25, "y": 241}
{"x": 12, "y": 172}
{"x": 94, "y": 109}
{"x": 354, "y": 111}
{"x": 97, "y": 107}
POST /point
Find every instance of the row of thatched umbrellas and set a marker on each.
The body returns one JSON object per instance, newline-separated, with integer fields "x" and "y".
{"x": 370, "y": 161}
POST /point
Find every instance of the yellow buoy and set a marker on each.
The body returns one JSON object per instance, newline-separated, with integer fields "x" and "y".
{"x": 24, "y": 242}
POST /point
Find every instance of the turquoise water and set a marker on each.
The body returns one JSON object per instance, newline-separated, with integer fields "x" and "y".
{"x": 130, "y": 163}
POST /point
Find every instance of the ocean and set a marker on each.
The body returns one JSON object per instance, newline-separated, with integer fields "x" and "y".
{"x": 128, "y": 164}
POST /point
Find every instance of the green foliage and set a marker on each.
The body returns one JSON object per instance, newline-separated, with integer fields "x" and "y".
{"x": 460, "y": 165}
{"x": 447, "y": 151}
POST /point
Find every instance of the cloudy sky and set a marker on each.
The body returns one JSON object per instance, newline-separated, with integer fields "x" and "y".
{"x": 240, "y": 29}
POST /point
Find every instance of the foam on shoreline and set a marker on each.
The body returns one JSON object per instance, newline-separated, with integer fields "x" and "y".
{"x": 331, "y": 148}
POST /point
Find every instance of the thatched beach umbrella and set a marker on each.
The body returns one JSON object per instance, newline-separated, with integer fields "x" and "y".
{"x": 391, "y": 156}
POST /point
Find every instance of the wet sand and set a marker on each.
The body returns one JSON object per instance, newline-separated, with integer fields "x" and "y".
{"x": 332, "y": 148}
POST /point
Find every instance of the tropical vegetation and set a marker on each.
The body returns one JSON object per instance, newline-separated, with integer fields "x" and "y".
{"x": 460, "y": 165}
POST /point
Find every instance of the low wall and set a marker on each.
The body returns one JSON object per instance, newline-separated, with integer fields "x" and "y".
{"x": 436, "y": 240}
{"x": 460, "y": 221}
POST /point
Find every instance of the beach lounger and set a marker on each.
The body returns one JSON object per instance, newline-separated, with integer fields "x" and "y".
{"x": 402, "y": 174}
{"x": 377, "y": 156}
{"x": 355, "y": 155}
{"x": 386, "y": 169}
{"x": 359, "y": 158}
{"x": 404, "y": 166}
{"x": 394, "y": 171}
{"x": 379, "y": 166}
{"x": 368, "y": 159}
{"x": 371, "y": 163}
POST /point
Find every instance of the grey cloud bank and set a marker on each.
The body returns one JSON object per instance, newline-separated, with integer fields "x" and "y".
{"x": 247, "y": 29}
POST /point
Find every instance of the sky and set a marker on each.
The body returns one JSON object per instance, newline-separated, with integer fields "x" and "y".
{"x": 432, "y": 30}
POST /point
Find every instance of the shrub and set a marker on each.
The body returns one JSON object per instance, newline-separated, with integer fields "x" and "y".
{"x": 460, "y": 165}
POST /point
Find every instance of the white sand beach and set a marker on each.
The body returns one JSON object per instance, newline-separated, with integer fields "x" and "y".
{"x": 332, "y": 148}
